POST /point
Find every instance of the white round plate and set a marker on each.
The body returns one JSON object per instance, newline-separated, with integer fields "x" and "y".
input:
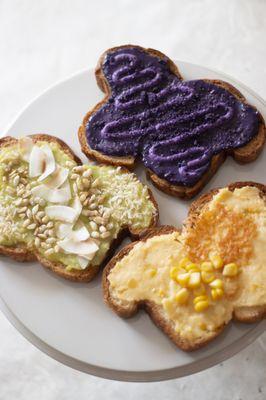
{"x": 69, "y": 321}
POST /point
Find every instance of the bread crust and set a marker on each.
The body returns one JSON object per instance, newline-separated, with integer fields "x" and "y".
{"x": 22, "y": 254}
{"x": 242, "y": 314}
{"x": 243, "y": 155}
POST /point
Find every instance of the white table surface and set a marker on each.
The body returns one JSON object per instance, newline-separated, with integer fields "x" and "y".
{"x": 45, "y": 41}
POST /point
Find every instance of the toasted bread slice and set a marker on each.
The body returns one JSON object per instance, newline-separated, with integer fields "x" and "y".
{"x": 63, "y": 262}
{"x": 231, "y": 306}
{"x": 245, "y": 154}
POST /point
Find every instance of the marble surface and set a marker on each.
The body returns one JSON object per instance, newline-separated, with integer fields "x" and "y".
{"x": 45, "y": 41}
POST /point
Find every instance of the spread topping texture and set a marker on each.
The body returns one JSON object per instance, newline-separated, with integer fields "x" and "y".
{"x": 217, "y": 264}
{"x": 175, "y": 127}
{"x": 70, "y": 213}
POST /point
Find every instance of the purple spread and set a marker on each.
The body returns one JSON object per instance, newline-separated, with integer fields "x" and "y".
{"x": 174, "y": 127}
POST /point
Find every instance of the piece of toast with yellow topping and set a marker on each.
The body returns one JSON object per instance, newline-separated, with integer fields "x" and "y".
{"x": 68, "y": 216}
{"x": 194, "y": 281}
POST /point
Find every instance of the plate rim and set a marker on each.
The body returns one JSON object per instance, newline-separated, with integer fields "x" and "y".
{"x": 121, "y": 375}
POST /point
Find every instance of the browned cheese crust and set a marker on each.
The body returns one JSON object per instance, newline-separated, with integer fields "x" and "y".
{"x": 242, "y": 314}
{"x": 20, "y": 253}
{"x": 243, "y": 155}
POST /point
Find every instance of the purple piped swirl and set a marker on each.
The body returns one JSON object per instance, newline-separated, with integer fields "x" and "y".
{"x": 175, "y": 127}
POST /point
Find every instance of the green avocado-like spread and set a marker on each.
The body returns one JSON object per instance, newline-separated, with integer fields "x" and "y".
{"x": 110, "y": 199}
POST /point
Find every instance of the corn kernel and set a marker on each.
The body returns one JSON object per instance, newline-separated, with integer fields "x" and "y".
{"x": 203, "y": 326}
{"x": 182, "y": 296}
{"x": 183, "y": 279}
{"x": 167, "y": 304}
{"x": 201, "y": 305}
{"x": 200, "y": 298}
{"x": 194, "y": 280}
{"x": 230, "y": 269}
{"x": 132, "y": 283}
{"x": 206, "y": 266}
{"x": 217, "y": 284}
{"x": 192, "y": 267}
{"x": 183, "y": 262}
{"x": 216, "y": 260}
{"x": 152, "y": 272}
{"x": 199, "y": 290}
{"x": 207, "y": 277}
{"x": 217, "y": 293}
{"x": 173, "y": 273}
{"x": 161, "y": 293}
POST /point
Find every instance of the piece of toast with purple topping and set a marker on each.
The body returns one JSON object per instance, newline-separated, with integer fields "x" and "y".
{"x": 182, "y": 131}
{"x": 68, "y": 216}
{"x": 193, "y": 282}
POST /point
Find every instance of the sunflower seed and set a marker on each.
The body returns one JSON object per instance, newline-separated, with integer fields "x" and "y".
{"x": 28, "y": 213}
{"x": 99, "y": 220}
{"x": 105, "y": 235}
{"x": 35, "y": 209}
{"x": 40, "y": 214}
{"x": 42, "y": 228}
{"x": 51, "y": 240}
{"x": 93, "y": 226}
{"x": 87, "y": 173}
{"x": 49, "y": 252}
{"x": 26, "y": 223}
{"x": 79, "y": 168}
{"x": 42, "y": 202}
{"x": 37, "y": 242}
{"x": 41, "y": 236}
{"x": 95, "y": 182}
{"x": 95, "y": 234}
{"x": 86, "y": 182}
{"x": 26, "y": 194}
{"x": 74, "y": 177}
{"x": 22, "y": 210}
{"x": 45, "y": 219}
{"x": 86, "y": 213}
{"x": 50, "y": 224}
{"x": 31, "y": 227}
{"x": 83, "y": 197}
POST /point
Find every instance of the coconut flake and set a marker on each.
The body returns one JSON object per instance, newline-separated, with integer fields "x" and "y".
{"x": 50, "y": 164}
{"x": 76, "y": 204}
{"x": 61, "y": 213}
{"x": 58, "y": 178}
{"x": 37, "y": 162}
{"x": 63, "y": 230}
{"x": 86, "y": 248}
{"x": 61, "y": 195}
{"x": 25, "y": 146}
{"x": 83, "y": 262}
{"x": 80, "y": 235}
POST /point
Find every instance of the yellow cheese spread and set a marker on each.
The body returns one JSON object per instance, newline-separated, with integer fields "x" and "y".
{"x": 146, "y": 273}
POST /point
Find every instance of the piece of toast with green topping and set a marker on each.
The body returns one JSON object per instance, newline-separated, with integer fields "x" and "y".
{"x": 68, "y": 216}
{"x": 182, "y": 131}
{"x": 194, "y": 281}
